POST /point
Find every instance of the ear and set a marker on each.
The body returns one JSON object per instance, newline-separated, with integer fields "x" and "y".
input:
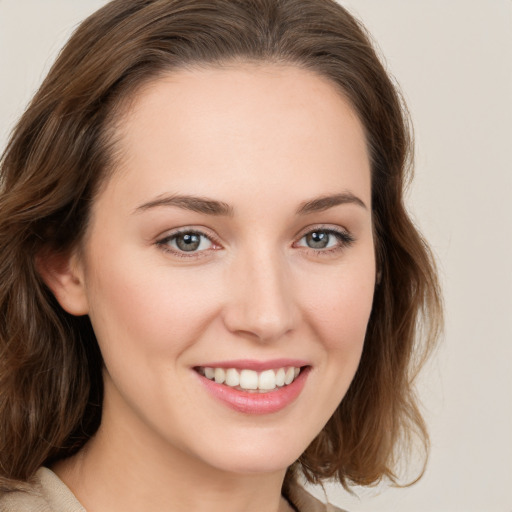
{"x": 64, "y": 276}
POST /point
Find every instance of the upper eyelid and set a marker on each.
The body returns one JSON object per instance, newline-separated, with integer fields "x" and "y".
{"x": 179, "y": 231}
{"x": 323, "y": 227}
{"x": 338, "y": 230}
{"x": 162, "y": 241}
{"x": 215, "y": 238}
{"x": 344, "y": 237}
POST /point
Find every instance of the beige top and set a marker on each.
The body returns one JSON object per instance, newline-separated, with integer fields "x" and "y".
{"x": 50, "y": 494}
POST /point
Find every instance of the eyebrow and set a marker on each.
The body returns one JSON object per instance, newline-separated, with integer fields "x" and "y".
{"x": 218, "y": 208}
{"x": 323, "y": 203}
{"x": 193, "y": 203}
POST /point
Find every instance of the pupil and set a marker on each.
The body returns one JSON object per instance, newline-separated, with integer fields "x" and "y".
{"x": 188, "y": 242}
{"x": 317, "y": 240}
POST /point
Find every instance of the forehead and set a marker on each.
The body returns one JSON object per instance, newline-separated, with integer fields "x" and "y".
{"x": 253, "y": 126}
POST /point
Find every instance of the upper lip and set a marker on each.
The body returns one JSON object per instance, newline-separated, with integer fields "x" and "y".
{"x": 253, "y": 364}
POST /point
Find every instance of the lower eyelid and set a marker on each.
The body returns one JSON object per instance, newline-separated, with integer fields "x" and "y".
{"x": 165, "y": 241}
{"x": 343, "y": 237}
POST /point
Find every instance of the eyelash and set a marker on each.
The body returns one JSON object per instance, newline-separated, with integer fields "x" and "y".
{"x": 344, "y": 238}
{"x": 163, "y": 243}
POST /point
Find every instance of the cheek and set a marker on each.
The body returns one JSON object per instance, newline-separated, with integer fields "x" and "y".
{"x": 339, "y": 305}
{"x": 150, "y": 309}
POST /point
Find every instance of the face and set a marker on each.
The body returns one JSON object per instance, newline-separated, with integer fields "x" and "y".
{"x": 233, "y": 241}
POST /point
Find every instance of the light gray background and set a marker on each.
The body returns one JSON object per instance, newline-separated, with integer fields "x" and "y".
{"x": 453, "y": 59}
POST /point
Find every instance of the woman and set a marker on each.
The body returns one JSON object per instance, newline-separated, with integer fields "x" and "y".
{"x": 210, "y": 283}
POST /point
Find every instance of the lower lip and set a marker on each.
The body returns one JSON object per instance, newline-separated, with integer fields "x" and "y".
{"x": 257, "y": 403}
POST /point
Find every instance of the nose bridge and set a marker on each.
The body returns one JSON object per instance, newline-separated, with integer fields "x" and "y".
{"x": 262, "y": 302}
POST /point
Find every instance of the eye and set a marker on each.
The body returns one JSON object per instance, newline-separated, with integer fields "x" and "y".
{"x": 327, "y": 240}
{"x": 188, "y": 241}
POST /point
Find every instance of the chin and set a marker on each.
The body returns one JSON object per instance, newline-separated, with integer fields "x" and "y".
{"x": 246, "y": 455}
{"x": 266, "y": 464}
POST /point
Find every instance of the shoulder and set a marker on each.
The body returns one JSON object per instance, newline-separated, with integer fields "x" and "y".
{"x": 305, "y": 502}
{"x": 47, "y": 493}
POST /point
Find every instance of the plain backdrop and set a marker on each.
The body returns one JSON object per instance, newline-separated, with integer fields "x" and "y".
{"x": 453, "y": 59}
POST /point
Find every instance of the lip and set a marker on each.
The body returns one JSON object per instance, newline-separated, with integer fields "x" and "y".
{"x": 257, "y": 366}
{"x": 256, "y": 403}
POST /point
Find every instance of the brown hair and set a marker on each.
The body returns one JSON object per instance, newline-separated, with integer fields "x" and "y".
{"x": 59, "y": 154}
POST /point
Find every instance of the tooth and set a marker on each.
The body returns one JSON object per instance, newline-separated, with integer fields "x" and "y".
{"x": 267, "y": 380}
{"x": 280, "y": 375}
{"x": 248, "y": 379}
{"x": 220, "y": 375}
{"x": 296, "y": 372}
{"x": 209, "y": 373}
{"x": 232, "y": 377}
{"x": 290, "y": 374}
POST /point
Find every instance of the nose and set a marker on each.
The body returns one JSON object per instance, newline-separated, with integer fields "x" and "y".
{"x": 261, "y": 302}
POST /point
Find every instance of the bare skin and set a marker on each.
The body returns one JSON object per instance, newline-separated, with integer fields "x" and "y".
{"x": 268, "y": 144}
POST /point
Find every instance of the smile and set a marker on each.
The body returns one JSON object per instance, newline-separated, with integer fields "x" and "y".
{"x": 251, "y": 380}
{"x": 262, "y": 389}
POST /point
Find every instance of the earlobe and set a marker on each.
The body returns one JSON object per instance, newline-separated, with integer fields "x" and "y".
{"x": 64, "y": 276}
